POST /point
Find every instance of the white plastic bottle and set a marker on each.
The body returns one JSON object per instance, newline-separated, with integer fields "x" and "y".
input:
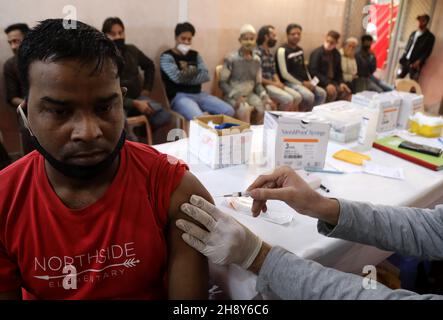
{"x": 368, "y": 129}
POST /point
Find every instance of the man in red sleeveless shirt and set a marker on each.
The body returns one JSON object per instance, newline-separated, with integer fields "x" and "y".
{"x": 90, "y": 215}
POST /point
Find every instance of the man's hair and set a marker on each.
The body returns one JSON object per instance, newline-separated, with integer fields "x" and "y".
{"x": 110, "y": 22}
{"x": 366, "y": 37}
{"x": 50, "y": 41}
{"x": 262, "y": 33}
{"x": 334, "y": 34}
{"x": 424, "y": 16}
{"x": 351, "y": 40}
{"x": 23, "y": 27}
{"x": 293, "y": 26}
{"x": 184, "y": 27}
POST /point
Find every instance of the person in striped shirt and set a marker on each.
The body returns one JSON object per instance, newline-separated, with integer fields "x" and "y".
{"x": 183, "y": 72}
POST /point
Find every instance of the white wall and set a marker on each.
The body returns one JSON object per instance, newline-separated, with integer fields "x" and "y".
{"x": 150, "y": 25}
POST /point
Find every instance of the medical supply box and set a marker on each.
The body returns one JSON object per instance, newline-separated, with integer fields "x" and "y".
{"x": 218, "y": 147}
{"x": 387, "y": 103}
{"x": 344, "y": 117}
{"x": 295, "y": 139}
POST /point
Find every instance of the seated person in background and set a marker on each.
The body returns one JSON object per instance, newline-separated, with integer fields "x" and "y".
{"x": 90, "y": 215}
{"x": 348, "y": 62}
{"x": 137, "y": 100}
{"x": 241, "y": 80}
{"x": 367, "y": 65}
{"x": 288, "y": 99}
{"x": 325, "y": 64}
{"x": 183, "y": 73}
{"x": 14, "y": 89}
{"x": 293, "y": 72}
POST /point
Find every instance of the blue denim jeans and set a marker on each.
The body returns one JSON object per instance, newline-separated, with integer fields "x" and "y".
{"x": 191, "y": 105}
{"x": 159, "y": 118}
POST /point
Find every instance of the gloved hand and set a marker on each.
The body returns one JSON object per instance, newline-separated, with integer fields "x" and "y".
{"x": 227, "y": 242}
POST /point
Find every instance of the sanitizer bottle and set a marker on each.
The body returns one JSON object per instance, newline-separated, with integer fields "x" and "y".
{"x": 368, "y": 129}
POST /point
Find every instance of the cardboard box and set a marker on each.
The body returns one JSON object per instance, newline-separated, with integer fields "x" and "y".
{"x": 411, "y": 103}
{"x": 344, "y": 118}
{"x": 296, "y": 139}
{"x": 220, "y": 148}
{"x": 388, "y": 104}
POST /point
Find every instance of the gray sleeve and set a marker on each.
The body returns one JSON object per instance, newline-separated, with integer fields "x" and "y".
{"x": 408, "y": 231}
{"x": 288, "y": 276}
{"x": 225, "y": 76}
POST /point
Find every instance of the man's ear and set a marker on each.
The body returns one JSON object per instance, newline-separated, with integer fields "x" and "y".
{"x": 124, "y": 91}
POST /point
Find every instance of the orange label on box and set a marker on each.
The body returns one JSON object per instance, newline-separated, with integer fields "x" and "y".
{"x": 301, "y": 140}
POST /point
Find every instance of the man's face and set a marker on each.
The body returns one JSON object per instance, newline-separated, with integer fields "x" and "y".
{"x": 422, "y": 23}
{"x": 77, "y": 117}
{"x": 349, "y": 48}
{"x": 272, "y": 35}
{"x": 15, "y": 38}
{"x": 247, "y": 41}
{"x": 184, "y": 38}
{"x": 294, "y": 36}
{"x": 117, "y": 32}
{"x": 330, "y": 43}
{"x": 367, "y": 44}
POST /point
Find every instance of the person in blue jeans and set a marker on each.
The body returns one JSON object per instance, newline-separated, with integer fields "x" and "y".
{"x": 183, "y": 72}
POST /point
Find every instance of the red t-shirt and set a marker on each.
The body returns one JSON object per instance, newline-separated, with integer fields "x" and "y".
{"x": 113, "y": 249}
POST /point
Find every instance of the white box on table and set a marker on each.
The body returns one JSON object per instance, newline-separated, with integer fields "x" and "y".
{"x": 220, "y": 148}
{"x": 344, "y": 117}
{"x": 295, "y": 139}
{"x": 411, "y": 103}
{"x": 388, "y": 104}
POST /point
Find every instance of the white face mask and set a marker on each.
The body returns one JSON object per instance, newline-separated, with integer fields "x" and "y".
{"x": 183, "y": 48}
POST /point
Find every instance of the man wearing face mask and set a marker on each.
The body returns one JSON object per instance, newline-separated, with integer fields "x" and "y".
{"x": 288, "y": 99}
{"x": 325, "y": 64}
{"x": 183, "y": 73}
{"x": 88, "y": 215}
{"x": 137, "y": 100}
{"x": 14, "y": 89}
{"x": 366, "y": 66}
{"x": 241, "y": 80}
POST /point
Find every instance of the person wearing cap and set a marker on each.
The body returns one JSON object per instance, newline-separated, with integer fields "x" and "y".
{"x": 284, "y": 275}
{"x": 241, "y": 80}
{"x": 419, "y": 48}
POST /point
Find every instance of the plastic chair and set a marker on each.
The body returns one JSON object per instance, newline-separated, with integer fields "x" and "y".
{"x": 141, "y": 121}
{"x": 180, "y": 121}
{"x": 408, "y": 85}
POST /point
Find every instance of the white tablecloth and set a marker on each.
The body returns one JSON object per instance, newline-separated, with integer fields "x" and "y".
{"x": 421, "y": 188}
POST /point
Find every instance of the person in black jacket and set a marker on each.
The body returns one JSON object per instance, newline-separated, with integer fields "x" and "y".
{"x": 137, "y": 100}
{"x": 325, "y": 64}
{"x": 419, "y": 48}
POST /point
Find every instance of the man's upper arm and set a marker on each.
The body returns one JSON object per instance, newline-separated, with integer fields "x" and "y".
{"x": 187, "y": 268}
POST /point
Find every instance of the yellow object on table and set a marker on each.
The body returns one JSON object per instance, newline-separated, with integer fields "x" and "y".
{"x": 351, "y": 157}
{"x": 425, "y": 130}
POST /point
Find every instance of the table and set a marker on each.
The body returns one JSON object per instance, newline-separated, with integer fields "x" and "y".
{"x": 421, "y": 188}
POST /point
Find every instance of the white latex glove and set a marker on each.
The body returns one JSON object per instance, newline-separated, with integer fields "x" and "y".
{"x": 227, "y": 242}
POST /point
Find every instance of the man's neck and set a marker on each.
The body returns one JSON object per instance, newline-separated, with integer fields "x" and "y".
{"x": 266, "y": 47}
{"x": 59, "y": 180}
{"x": 246, "y": 53}
{"x": 293, "y": 45}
